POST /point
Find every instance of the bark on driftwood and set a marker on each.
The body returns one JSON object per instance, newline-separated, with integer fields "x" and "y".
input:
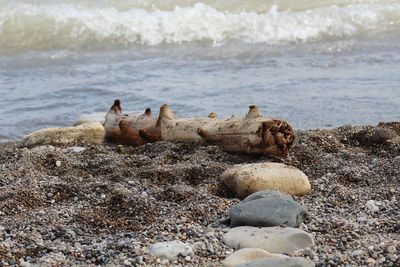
{"x": 123, "y": 129}
{"x": 111, "y": 123}
{"x": 255, "y": 134}
{"x": 130, "y": 127}
{"x": 170, "y": 128}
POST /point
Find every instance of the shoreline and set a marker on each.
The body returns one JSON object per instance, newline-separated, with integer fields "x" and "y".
{"x": 107, "y": 204}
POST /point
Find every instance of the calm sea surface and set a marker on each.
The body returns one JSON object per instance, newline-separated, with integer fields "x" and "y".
{"x": 313, "y": 63}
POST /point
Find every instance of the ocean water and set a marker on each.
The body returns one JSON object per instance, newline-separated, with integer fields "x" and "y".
{"x": 315, "y": 63}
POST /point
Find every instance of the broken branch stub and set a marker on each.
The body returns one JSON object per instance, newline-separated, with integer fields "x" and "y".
{"x": 111, "y": 123}
{"x": 170, "y": 128}
{"x": 123, "y": 129}
{"x": 130, "y": 127}
{"x": 255, "y": 134}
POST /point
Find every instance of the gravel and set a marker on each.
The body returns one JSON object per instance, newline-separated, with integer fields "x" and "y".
{"x": 106, "y": 204}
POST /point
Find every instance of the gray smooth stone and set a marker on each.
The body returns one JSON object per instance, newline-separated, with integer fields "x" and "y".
{"x": 266, "y": 194}
{"x": 280, "y": 262}
{"x": 265, "y": 212}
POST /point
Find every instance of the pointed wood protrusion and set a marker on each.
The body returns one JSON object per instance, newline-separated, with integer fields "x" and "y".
{"x": 131, "y": 126}
{"x": 170, "y": 128}
{"x": 254, "y": 112}
{"x": 111, "y": 123}
{"x": 213, "y": 115}
{"x": 166, "y": 113}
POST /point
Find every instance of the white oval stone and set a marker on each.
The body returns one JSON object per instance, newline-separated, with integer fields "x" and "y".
{"x": 246, "y": 255}
{"x": 249, "y": 178}
{"x": 171, "y": 250}
{"x": 272, "y": 239}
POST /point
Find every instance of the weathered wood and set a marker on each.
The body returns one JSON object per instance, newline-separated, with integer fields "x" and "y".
{"x": 111, "y": 123}
{"x": 124, "y": 129}
{"x": 255, "y": 134}
{"x": 90, "y": 132}
{"x": 170, "y": 128}
{"x": 130, "y": 127}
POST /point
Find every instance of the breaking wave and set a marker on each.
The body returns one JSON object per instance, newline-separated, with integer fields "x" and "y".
{"x": 104, "y": 24}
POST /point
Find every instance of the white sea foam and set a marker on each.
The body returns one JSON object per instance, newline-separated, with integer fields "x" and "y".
{"x": 73, "y": 25}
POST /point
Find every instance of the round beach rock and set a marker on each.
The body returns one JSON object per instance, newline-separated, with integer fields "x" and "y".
{"x": 171, "y": 250}
{"x": 249, "y": 178}
{"x": 267, "y": 194}
{"x": 279, "y": 262}
{"x": 246, "y": 255}
{"x": 269, "y": 211}
{"x": 272, "y": 239}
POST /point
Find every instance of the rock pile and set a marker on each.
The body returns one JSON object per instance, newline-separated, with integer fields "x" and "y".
{"x": 267, "y": 218}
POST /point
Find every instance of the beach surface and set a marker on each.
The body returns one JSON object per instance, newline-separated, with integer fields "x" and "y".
{"x": 106, "y": 204}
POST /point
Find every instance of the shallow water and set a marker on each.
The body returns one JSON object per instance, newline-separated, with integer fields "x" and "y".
{"x": 313, "y": 63}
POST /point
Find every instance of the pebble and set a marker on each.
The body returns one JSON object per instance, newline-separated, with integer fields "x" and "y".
{"x": 171, "y": 250}
{"x": 391, "y": 249}
{"x": 58, "y": 163}
{"x": 74, "y": 149}
{"x": 357, "y": 253}
{"x": 371, "y": 206}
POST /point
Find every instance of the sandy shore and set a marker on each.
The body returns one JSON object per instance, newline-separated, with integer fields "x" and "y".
{"x": 106, "y": 204}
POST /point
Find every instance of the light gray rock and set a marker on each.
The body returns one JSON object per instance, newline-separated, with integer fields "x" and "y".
{"x": 48, "y": 148}
{"x": 74, "y": 149}
{"x": 282, "y": 262}
{"x": 246, "y": 255}
{"x": 371, "y": 206}
{"x": 271, "y": 211}
{"x": 171, "y": 250}
{"x": 266, "y": 194}
{"x": 282, "y": 240}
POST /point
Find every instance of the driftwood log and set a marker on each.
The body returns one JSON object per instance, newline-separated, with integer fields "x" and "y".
{"x": 170, "y": 128}
{"x": 255, "y": 134}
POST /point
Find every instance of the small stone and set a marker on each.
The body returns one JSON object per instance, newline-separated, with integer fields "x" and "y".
{"x": 74, "y": 149}
{"x": 127, "y": 263}
{"x": 357, "y": 253}
{"x": 144, "y": 194}
{"x": 102, "y": 196}
{"x": 171, "y": 250}
{"x": 58, "y": 163}
{"x": 370, "y": 261}
{"x": 371, "y": 206}
{"x": 391, "y": 249}
{"x": 43, "y": 148}
{"x": 139, "y": 259}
